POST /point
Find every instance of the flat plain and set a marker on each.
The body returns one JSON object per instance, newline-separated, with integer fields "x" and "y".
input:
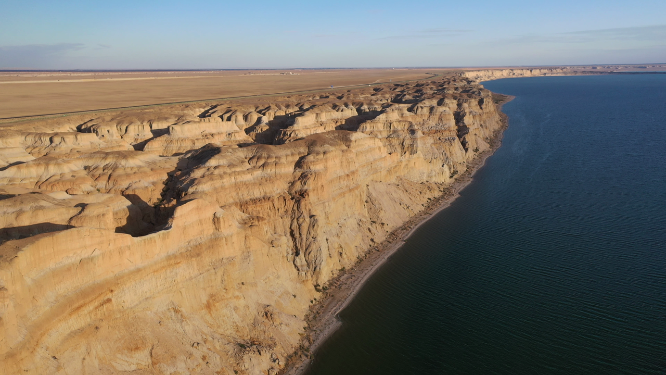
{"x": 25, "y": 94}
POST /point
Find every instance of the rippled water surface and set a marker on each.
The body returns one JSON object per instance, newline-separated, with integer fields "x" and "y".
{"x": 553, "y": 261}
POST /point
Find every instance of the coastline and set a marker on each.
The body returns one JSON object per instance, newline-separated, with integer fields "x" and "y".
{"x": 340, "y": 291}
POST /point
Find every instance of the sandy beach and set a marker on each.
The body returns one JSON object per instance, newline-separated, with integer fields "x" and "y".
{"x": 323, "y": 318}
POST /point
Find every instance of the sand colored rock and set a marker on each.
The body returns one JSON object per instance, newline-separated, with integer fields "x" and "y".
{"x": 181, "y": 138}
{"x": 30, "y": 214}
{"x": 490, "y": 74}
{"x": 194, "y": 238}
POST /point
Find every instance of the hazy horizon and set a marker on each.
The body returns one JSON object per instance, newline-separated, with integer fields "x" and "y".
{"x": 321, "y": 68}
{"x": 198, "y": 35}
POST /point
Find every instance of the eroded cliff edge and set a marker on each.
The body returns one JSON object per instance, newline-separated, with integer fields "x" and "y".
{"x": 194, "y": 238}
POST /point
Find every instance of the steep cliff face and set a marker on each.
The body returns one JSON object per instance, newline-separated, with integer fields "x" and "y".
{"x": 490, "y": 74}
{"x": 193, "y": 239}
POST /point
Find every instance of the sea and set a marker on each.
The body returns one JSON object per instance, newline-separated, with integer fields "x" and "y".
{"x": 552, "y": 261}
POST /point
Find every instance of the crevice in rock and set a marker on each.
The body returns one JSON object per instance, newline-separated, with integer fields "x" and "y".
{"x": 462, "y": 129}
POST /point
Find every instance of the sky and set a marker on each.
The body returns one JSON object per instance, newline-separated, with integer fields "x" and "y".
{"x": 204, "y": 34}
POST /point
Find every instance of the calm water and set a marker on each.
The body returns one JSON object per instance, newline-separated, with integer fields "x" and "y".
{"x": 553, "y": 261}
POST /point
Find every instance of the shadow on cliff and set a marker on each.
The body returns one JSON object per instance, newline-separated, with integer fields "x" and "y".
{"x": 157, "y": 215}
{"x": 270, "y": 129}
{"x": 20, "y": 232}
{"x": 354, "y": 122}
{"x": 156, "y": 133}
{"x": 199, "y": 157}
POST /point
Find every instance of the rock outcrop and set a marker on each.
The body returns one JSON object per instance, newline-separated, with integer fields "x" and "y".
{"x": 194, "y": 238}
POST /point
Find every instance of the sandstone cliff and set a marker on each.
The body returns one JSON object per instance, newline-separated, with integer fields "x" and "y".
{"x": 490, "y": 74}
{"x": 194, "y": 238}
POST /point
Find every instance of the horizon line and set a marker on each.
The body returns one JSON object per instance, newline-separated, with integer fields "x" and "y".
{"x": 320, "y": 68}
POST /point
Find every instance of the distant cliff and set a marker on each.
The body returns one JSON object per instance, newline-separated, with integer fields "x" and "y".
{"x": 194, "y": 238}
{"x": 490, "y": 74}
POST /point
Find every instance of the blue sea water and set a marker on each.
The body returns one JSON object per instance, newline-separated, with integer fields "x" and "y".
{"x": 552, "y": 261}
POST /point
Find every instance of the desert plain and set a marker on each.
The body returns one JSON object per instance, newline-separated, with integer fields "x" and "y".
{"x": 43, "y": 93}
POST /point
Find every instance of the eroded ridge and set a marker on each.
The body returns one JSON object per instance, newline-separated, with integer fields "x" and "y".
{"x": 194, "y": 238}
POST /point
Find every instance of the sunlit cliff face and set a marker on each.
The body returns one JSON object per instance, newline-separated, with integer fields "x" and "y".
{"x": 190, "y": 239}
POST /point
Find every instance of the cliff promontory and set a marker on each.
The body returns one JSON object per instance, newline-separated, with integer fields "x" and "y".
{"x": 194, "y": 238}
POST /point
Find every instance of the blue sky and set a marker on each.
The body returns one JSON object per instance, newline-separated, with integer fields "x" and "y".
{"x": 286, "y": 34}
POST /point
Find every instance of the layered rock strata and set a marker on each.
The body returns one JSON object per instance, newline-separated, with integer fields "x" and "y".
{"x": 194, "y": 238}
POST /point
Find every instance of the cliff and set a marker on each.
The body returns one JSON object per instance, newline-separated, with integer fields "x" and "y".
{"x": 194, "y": 238}
{"x": 490, "y": 74}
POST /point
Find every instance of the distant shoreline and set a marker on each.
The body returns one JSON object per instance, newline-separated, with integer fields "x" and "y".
{"x": 323, "y": 317}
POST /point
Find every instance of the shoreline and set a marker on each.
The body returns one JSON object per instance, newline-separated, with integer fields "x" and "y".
{"x": 323, "y": 318}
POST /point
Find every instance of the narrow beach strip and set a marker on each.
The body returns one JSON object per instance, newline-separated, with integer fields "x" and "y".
{"x": 323, "y": 317}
